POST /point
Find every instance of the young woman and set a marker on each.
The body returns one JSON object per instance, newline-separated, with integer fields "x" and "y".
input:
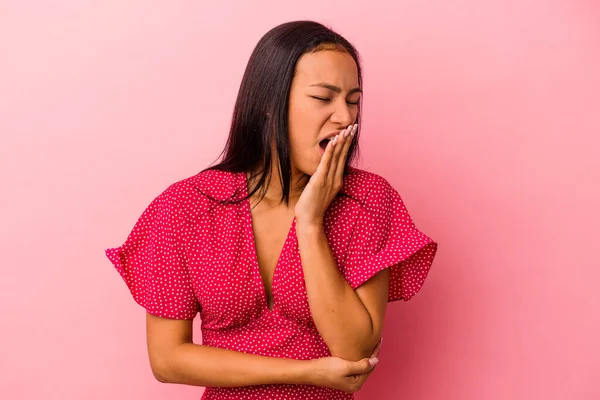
{"x": 289, "y": 254}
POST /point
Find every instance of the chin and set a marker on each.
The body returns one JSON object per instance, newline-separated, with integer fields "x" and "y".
{"x": 307, "y": 166}
{"x": 313, "y": 167}
{"x": 307, "y": 169}
{"x": 312, "y": 172}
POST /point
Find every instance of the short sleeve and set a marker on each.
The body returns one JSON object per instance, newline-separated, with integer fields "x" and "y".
{"x": 385, "y": 236}
{"x": 152, "y": 261}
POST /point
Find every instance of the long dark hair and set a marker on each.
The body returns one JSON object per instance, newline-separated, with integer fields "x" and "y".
{"x": 261, "y": 108}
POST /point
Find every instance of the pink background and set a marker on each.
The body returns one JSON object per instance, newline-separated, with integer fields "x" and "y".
{"x": 485, "y": 115}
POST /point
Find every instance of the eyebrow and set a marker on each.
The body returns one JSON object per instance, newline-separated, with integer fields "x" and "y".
{"x": 336, "y": 88}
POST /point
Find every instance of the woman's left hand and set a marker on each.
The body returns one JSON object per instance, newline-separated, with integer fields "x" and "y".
{"x": 327, "y": 181}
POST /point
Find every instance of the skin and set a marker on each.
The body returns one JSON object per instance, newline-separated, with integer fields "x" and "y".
{"x": 174, "y": 358}
{"x": 350, "y": 321}
{"x": 311, "y": 119}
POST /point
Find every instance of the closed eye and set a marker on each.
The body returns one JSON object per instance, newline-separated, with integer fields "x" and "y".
{"x": 328, "y": 100}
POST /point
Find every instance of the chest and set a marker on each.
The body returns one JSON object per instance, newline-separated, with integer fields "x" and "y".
{"x": 245, "y": 263}
{"x": 271, "y": 228}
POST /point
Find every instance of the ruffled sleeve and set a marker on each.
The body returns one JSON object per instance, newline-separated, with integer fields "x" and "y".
{"x": 152, "y": 261}
{"x": 385, "y": 236}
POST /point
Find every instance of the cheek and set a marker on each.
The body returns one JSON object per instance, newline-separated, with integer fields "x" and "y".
{"x": 300, "y": 140}
{"x": 304, "y": 126}
{"x": 300, "y": 117}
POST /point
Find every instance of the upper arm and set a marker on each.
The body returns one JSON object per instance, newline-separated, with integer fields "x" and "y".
{"x": 374, "y": 296}
{"x": 163, "y": 336}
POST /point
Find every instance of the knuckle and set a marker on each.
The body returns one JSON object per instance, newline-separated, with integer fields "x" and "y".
{"x": 355, "y": 384}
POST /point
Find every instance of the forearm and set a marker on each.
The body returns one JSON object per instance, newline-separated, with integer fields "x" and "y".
{"x": 339, "y": 315}
{"x": 198, "y": 365}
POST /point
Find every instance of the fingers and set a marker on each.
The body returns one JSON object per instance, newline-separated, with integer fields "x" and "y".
{"x": 342, "y": 146}
{"x": 344, "y": 152}
{"x": 325, "y": 163}
{"x": 337, "y": 144}
{"x": 375, "y": 352}
{"x": 362, "y": 367}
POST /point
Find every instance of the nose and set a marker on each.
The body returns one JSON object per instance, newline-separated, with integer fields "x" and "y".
{"x": 342, "y": 115}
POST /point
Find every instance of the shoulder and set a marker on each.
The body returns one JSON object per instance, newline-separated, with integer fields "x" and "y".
{"x": 218, "y": 184}
{"x": 367, "y": 186}
{"x": 381, "y": 204}
{"x": 196, "y": 194}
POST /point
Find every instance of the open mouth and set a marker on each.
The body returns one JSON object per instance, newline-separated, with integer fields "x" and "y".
{"x": 323, "y": 143}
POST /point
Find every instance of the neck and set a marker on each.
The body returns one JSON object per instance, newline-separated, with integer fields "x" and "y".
{"x": 273, "y": 190}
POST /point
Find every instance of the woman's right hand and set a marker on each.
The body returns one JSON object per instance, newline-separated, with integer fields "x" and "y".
{"x": 340, "y": 374}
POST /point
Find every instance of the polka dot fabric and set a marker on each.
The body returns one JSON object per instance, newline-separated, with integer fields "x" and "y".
{"x": 152, "y": 260}
{"x": 187, "y": 255}
{"x": 385, "y": 236}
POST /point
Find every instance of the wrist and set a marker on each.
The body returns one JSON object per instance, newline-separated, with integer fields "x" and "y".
{"x": 312, "y": 373}
{"x": 298, "y": 372}
{"x": 308, "y": 226}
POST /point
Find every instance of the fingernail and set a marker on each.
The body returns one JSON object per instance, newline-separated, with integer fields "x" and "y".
{"x": 381, "y": 339}
{"x": 373, "y": 361}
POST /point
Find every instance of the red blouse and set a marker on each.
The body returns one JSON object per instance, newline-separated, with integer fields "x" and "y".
{"x": 188, "y": 254}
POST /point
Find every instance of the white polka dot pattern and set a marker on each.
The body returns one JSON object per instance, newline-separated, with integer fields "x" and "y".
{"x": 152, "y": 260}
{"x": 187, "y": 254}
{"x": 385, "y": 236}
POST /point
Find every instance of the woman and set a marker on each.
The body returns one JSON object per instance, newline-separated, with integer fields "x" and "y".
{"x": 289, "y": 254}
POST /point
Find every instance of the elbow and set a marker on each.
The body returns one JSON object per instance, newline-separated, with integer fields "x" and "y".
{"x": 349, "y": 354}
{"x": 160, "y": 378}
{"x": 163, "y": 368}
{"x": 159, "y": 370}
{"x": 356, "y": 351}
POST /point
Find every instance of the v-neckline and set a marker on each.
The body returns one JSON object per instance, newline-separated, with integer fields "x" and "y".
{"x": 254, "y": 250}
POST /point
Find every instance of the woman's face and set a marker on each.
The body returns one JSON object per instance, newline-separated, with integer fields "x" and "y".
{"x": 317, "y": 111}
